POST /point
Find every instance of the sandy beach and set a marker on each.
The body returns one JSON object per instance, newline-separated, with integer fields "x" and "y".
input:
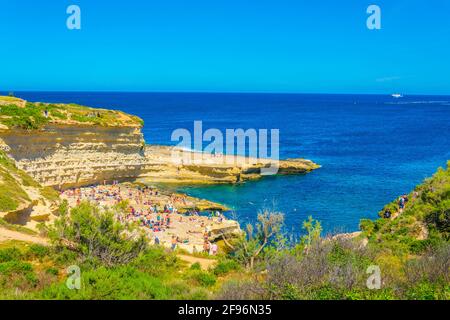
{"x": 167, "y": 218}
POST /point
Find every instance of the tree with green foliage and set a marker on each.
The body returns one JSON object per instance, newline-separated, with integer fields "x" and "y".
{"x": 313, "y": 230}
{"x": 95, "y": 234}
{"x": 251, "y": 243}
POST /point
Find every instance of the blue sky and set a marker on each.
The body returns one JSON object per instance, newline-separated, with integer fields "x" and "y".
{"x": 318, "y": 46}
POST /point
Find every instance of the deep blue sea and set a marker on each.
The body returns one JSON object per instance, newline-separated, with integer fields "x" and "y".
{"x": 372, "y": 148}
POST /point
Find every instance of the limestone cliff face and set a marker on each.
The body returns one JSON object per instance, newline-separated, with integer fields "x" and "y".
{"x": 72, "y": 155}
{"x": 75, "y": 155}
{"x": 66, "y": 145}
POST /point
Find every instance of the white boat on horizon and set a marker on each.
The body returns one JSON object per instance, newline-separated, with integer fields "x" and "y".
{"x": 397, "y": 95}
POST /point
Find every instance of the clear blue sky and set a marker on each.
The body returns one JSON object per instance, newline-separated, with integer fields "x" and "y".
{"x": 318, "y": 46}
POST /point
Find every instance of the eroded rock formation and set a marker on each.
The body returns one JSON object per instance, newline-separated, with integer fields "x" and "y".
{"x": 78, "y": 146}
{"x": 63, "y": 156}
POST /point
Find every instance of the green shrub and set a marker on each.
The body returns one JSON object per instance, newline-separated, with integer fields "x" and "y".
{"x": 58, "y": 114}
{"x": 367, "y": 226}
{"x": 52, "y": 271}
{"x": 64, "y": 256}
{"x": 6, "y": 202}
{"x": 10, "y": 254}
{"x": 326, "y": 292}
{"x": 421, "y": 246}
{"x": 422, "y": 291}
{"x": 202, "y": 278}
{"x": 197, "y": 294}
{"x": 38, "y": 251}
{"x": 156, "y": 261}
{"x": 123, "y": 282}
{"x": 17, "y": 274}
{"x": 30, "y": 117}
{"x": 196, "y": 266}
{"x": 98, "y": 236}
{"x": 14, "y": 266}
{"x": 225, "y": 266}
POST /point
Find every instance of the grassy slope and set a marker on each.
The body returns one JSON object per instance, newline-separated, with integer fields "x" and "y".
{"x": 17, "y": 113}
{"x": 428, "y": 206}
{"x": 29, "y": 271}
{"x": 39, "y": 272}
{"x": 12, "y": 194}
{"x": 12, "y": 183}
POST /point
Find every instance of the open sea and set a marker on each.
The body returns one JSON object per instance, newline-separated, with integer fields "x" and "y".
{"x": 372, "y": 148}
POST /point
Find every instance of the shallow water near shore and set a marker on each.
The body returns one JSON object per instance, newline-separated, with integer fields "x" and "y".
{"x": 372, "y": 148}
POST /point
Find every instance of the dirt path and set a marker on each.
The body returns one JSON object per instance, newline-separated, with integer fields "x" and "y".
{"x": 204, "y": 262}
{"x": 423, "y": 233}
{"x": 396, "y": 214}
{"x": 7, "y": 235}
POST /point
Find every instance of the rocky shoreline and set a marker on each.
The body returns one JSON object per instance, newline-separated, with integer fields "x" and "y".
{"x": 75, "y": 146}
{"x": 203, "y": 168}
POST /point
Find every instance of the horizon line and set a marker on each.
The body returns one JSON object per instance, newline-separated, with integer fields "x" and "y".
{"x": 224, "y": 92}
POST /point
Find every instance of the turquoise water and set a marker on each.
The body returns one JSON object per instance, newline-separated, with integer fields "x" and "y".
{"x": 371, "y": 148}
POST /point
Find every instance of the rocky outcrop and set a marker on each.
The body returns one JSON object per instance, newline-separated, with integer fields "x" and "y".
{"x": 75, "y": 146}
{"x": 196, "y": 168}
{"x": 55, "y": 145}
{"x": 64, "y": 156}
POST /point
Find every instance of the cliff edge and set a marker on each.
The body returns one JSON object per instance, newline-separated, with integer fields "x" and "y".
{"x": 66, "y": 145}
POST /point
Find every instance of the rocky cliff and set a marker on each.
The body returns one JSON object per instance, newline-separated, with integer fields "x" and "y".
{"x": 198, "y": 168}
{"x": 68, "y": 155}
{"x": 70, "y": 145}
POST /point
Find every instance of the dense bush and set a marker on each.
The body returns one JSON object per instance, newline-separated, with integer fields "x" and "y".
{"x": 113, "y": 264}
{"x": 201, "y": 278}
{"x": 35, "y": 272}
{"x": 10, "y": 254}
{"x": 95, "y": 234}
{"x": 337, "y": 270}
{"x": 412, "y": 252}
{"x": 29, "y": 117}
{"x": 426, "y": 215}
{"x": 225, "y": 266}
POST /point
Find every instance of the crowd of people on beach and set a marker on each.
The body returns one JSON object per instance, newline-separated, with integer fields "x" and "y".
{"x": 153, "y": 211}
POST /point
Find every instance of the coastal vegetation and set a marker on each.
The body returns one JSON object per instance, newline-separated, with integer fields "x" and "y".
{"x": 13, "y": 185}
{"x": 410, "y": 248}
{"x": 11, "y": 192}
{"x": 20, "y": 114}
{"x": 424, "y": 222}
{"x": 117, "y": 262}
